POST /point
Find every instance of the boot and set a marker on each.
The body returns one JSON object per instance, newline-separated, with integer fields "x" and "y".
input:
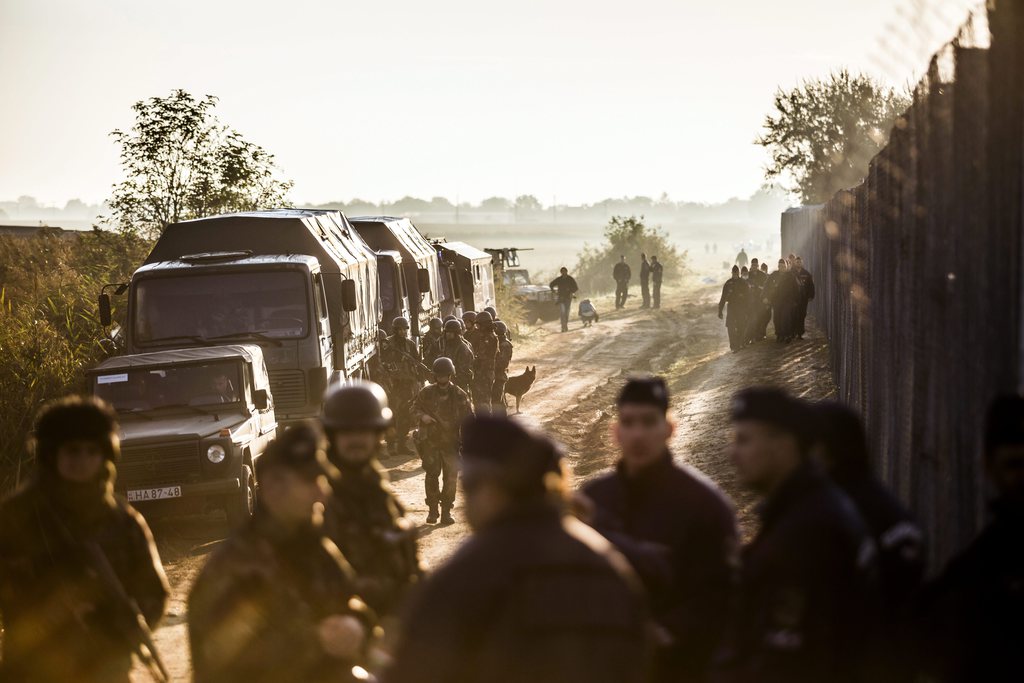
{"x": 432, "y": 514}
{"x": 446, "y": 515}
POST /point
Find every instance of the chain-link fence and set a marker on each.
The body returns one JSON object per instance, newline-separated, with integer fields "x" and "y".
{"x": 918, "y": 274}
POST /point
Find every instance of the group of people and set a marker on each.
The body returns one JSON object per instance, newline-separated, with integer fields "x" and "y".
{"x": 652, "y": 274}
{"x": 639, "y": 576}
{"x": 753, "y": 297}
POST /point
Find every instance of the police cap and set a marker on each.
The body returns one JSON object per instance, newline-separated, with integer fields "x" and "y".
{"x": 776, "y": 407}
{"x": 503, "y": 450}
{"x": 645, "y": 391}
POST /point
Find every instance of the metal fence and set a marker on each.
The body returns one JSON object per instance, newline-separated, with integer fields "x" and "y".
{"x": 918, "y": 275}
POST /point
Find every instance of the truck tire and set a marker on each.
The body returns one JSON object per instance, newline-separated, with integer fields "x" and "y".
{"x": 240, "y": 505}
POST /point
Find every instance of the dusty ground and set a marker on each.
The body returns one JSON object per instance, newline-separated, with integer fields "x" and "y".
{"x": 579, "y": 374}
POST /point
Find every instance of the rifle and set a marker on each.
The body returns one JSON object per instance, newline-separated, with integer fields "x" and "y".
{"x": 413, "y": 358}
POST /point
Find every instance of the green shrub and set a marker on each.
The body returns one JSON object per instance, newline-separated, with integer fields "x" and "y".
{"x": 627, "y": 237}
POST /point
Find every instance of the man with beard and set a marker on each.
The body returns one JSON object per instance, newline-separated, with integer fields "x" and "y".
{"x": 277, "y": 602}
{"x": 59, "y": 536}
{"x": 363, "y": 517}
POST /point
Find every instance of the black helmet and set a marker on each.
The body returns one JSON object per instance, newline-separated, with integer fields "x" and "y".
{"x": 356, "y": 405}
{"x": 400, "y": 323}
{"x": 492, "y": 311}
{"x": 501, "y": 328}
{"x": 435, "y": 324}
{"x": 484, "y": 319}
{"x": 453, "y": 326}
{"x": 444, "y": 366}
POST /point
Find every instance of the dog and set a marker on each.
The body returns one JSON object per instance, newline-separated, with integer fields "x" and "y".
{"x": 520, "y": 384}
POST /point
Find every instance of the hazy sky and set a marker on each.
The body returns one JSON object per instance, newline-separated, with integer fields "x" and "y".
{"x": 581, "y": 99}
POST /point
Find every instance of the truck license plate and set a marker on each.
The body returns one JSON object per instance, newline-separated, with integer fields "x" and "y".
{"x": 139, "y": 495}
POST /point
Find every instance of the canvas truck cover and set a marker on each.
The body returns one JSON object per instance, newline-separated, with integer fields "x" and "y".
{"x": 326, "y": 235}
{"x": 249, "y": 353}
{"x": 385, "y": 232}
{"x": 474, "y": 273}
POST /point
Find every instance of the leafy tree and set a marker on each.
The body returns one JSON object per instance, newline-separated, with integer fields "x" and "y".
{"x": 180, "y": 162}
{"x": 627, "y": 237}
{"x": 824, "y": 133}
{"x": 526, "y": 203}
{"x": 495, "y": 204}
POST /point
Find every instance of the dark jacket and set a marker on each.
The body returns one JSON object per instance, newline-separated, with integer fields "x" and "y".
{"x": 254, "y": 609}
{"x": 565, "y": 287}
{"x": 622, "y": 272}
{"x": 645, "y": 271}
{"x": 679, "y": 534}
{"x": 807, "y": 596}
{"x": 657, "y": 272}
{"x": 806, "y": 282}
{"x": 367, "y": 523}
{"x": 972, "y": 614}
{"x": 534, "y": 597}
{"x": 757, "y": 279}
{"x": 735, "y": 293}
{"x": 782, "y": 288}
{"x": 45, "y": 571}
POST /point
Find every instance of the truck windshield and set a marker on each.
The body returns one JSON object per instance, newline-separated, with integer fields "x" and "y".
{"x": 139, "y": 389}
{"x": 386, "y": 272}
{"x": 515, "y": 278}
{"x": 272, "y": 304}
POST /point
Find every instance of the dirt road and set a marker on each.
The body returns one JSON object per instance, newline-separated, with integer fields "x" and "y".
{"x": 578, "y": 376}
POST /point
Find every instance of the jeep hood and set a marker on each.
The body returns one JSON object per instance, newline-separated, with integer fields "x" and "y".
{"x": 174, "y": 427}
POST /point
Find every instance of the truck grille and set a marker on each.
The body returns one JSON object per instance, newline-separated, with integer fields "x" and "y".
{"x": 289, "y": 389}
{"x": 158, "y": 464}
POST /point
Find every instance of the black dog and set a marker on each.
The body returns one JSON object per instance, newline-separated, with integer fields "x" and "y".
{"x": 520, "y": 384}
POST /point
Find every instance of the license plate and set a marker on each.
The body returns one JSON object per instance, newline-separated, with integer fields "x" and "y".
{"x": 140, "y": 495}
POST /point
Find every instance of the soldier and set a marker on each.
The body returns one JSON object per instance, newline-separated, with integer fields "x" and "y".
{"x": 735, "y": 293}
{"x": 657, "y": 272}
{"x": 401, "y": 362}
{"x": 971, "y": 614}
{"x": 458, "y": 350}
{"x": 485, "y": 356}
{"x": 78, "y": 567}
{"x": 363, "y": 517}
{"x": 675, "y": 528}
{"x": 439, "y": 411}
{"x": 469, "y": 326}
{"x": 565, "y": 288}
{"x": 428, "y": 345}
{"x": 533, "y": 595}
{"x": 806, "y": 587}
{"x": 806, "y": 281}
{"x": 841, "y": 447}
{"x": 491, "y": 311}
{"x": 504, "y": 359}
{"x": 781, "y": 291}
{"x": 621, "y": 273}
{"x": 276, "y": 601}
{"x": 645, "y": 280}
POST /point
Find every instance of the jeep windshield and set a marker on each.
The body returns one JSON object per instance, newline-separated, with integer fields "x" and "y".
{"x": 516, "y": 278}
{"x": 246, "y": 304}
{"x": 182, "y": 386}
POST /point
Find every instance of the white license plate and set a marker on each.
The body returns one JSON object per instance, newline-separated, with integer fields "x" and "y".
{"x": 140, "y": 495}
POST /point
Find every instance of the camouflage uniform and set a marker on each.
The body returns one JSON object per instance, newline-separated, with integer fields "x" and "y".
{"x": 401, "y": 363}
{"x": 501, "y": 364}
{"x": 485, "y": 354}
{"x": 438, "y": 443}
{"x": 461, "y": 353}
{"x": 429, "y": 341}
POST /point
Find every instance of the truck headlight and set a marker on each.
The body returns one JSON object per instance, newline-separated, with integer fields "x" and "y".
{"x": 215, "y": 453}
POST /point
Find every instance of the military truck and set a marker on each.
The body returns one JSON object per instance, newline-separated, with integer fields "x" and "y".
{"x": 302, "y": 284}
{"x": 419, "y": 263}
{"x": 470, "y": 277}
{"x": 538, "y": 301}
{"x": 194, "y": 423}
{"x": 394, "y": 296}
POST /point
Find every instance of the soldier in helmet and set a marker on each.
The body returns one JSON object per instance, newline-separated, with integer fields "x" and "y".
{"x": 58, "y": 536}
{"x": 491, "y": 311}
{"x": 501, "y": 364}
{"x": 458, "y": 350}
{"x": 401, "y": 361}
{"x": 439, "y": 411}
{"x": 469, "y": 325}
{"x": 277, "y": 601}
{"x": 485, "y": 357}
{"x": 428, "y": 345}
{"x": 363, "y": 516}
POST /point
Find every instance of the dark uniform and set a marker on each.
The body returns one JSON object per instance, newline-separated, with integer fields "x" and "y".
{"x": 255, "y": 609}
{"x": 782, "y": 291}
{"x": 401, "y": 363}
{"x": 621, "y": 273}
{"x": 485, "y": 356}
{"x": 760, "y": 313}
{"x": 428, "y": 344}
{"x": 806, "y": 281}
{"x": 533, "y": 596}
{"x": 645, "y": 282}
{"x": 736, "y": 293}
{"x": 438, "y": 443}
{"x": 565, "y": 289}
{"x": 657, "y": 273}
{"x": 454, "y": 347}
{"x": 501, "y": 366}
{"x": 61, "y": 622}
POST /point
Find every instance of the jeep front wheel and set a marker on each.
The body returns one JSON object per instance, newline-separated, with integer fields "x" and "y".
{"x": 241, "y": 505}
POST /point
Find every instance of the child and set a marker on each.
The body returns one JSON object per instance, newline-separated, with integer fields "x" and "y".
{"x": 588, "y": 314}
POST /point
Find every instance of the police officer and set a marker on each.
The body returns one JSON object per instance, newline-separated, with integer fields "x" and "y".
{"x": 621, "y": 273}
{"x": 458, "y": 350}
{"x": 428, "y": 345}
{"x": 401, "y": 361}
{"x": 782, "y": 291}
{"x": 735, "y": 293}
{"x": 756, "y": 314}
{"x": 363, "y": 517}
{"x": 439, "y": 410}
{"x": 277, "y": 601}
{"x": 675, "y": 527}
{"x": 485, "y": 358}
{"x": 806, "y": 294}
{"x": 807, "y": 597}
{"x": 657, "y": 274}
{"x": 972, "y": 614}
{"x": 533, "y": 595}
{"x": 501, "y": 364}
{"x": 59, "y": 536}
{"x": 645, "y": 281}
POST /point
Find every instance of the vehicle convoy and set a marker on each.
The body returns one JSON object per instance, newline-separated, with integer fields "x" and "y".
{"x": 419, "y": 264}
{"x": 194, "y": 423}
{"x": 470, "y": 276}
{"x": 394, "y": 297}
{"x": 302, "y": 284}
{"x": 538, "y": 300}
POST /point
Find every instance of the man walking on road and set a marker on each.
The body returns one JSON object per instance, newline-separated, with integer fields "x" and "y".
{"x": 756, "y": 313}
{"x": 675, "y": 528}
{"x": 782, "y": 291}
{"x": 657, "y": 272}
{"x": 621, "y": 273}
{"x": 565, "y": 289}
{"x": 741, "y": 258}
{"x": 806, "y": 294}
{"x": 645, "y": 281}
{"x": 735, "y": 293}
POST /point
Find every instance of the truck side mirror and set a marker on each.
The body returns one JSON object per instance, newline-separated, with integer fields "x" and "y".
{"x": 261, "y": 399}
{"x": 105, "y": 315}
{"x": 348, "y": 295}
{"x": 423, "y": 280}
